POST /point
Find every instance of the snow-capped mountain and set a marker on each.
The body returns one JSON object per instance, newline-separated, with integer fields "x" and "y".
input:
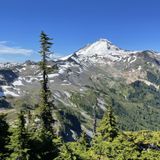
{"x": 100, "y": 68}
{"x": 102, "y": 49}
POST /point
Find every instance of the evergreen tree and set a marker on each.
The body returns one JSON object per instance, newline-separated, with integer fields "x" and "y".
{"x": 4, "y": 136}
{"x": 76, "y": 150}
{"x": 44, "y": 142}
{"x": 43, "y": 145}
{"x": 94, "y": 118}
{"x": 82, "y": 146}
{"x": 108, "y": 128}
{"x": 84, "y": 141}
{"x": 45, "y": 113}
{"x": 67, "y": 152}
{"x": 19, "y": 140}
{"x": 122, "y": 147}
{"x": 106, "y": 132}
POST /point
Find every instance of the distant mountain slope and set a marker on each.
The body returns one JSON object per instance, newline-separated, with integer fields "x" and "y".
{"x": 99, "y": 74}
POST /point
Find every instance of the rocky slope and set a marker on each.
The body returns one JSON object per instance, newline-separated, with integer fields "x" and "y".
{"x": 99, "y": 74}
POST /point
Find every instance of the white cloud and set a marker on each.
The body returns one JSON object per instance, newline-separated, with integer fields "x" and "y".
{"x": 5, "y": 49}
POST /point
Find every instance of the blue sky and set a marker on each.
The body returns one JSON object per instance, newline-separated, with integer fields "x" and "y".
{"x": 130, "y": 24}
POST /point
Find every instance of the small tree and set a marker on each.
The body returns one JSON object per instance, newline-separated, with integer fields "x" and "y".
{"x": 67, "y": 152}
{"x": 19, "y": 140}
{"x": 105, "y": 134}
{"x": 108, "y": 128}
{"x": 84, "y": 141}
{"x": 4, "y": 136}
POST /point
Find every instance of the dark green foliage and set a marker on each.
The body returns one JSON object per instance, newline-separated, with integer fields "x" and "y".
{"x": 136, "y": 105}
{"x": 141, "y": 91}
{"x": 68, "y": 152}
{"x": 4, "y": 136}
{"x": 44, "y": 107}
{"x": 106, "y": 132}
{"x": 75, "y": 150}
{"x": 82, "y": 101}
{"x": 108, "y": 127}
{"x": 154, "y": 77}
{"x": 43, "y": 145}
{"x": 19, "y": 140}
{"x": 111, "y": 144}
{"x": 84, "y": 141}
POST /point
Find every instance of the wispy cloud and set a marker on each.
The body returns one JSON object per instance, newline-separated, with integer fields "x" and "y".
{"x": 6, "y": 49}
{"x": 4, "y": 42}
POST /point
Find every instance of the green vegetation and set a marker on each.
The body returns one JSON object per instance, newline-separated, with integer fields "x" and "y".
{"x": 18, "y": 145}
{"x": 44, "y": 107}
{"x": 44, "y": 137}
{"x": 109, "y": 144}
{"x": 4, "y": 136}
{"x": 35, "y": 135}
{"x": 154, "y": 77}
{"x": 136, "y": 106}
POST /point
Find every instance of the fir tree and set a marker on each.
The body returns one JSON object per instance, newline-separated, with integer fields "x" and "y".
{"x": 45, "y": 113}
{"x": 94, "y": 118}
{"x": 105, "y": 134}
{"x": 67, "y": 152}
{"x": 108, "y": 128}
{"x": 83, "y": 142}
{"x": 44, "y": 143}
{"x": 4, "y": 136}
{"x": 19, "y": 140}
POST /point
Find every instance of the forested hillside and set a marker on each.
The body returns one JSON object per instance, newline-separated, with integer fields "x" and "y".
{"x": 79, "y": 108}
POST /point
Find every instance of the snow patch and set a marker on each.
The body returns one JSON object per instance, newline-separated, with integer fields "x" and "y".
{"x": 53, "y": 75}
{"x": 135, "y": 58}
{"x": 7, "y": 92}
{"x": 67, "y": 94}
{"x": 65, "y": 58}
{"x": 65, "y": 84}
{"x": 73, "y": 134}
{"x": 101, "y": 104}
{"x": 88, "y": 132}
{"x": 18, "y": 83}
{"x": 84, "y": 114}
{"x": 51, "y": 81}
{"x": 139, "y": 68}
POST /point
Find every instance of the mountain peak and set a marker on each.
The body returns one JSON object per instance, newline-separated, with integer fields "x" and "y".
{"x": 100, "y": 47}
{"x": 104, "y": 40}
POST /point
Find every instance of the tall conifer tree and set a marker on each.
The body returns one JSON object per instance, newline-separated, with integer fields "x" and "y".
{"x": 4, "y": 136}
{"x": 19, "y": 140}
{"x": 45, "y": 144}
{"x": 45, "y": 106}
